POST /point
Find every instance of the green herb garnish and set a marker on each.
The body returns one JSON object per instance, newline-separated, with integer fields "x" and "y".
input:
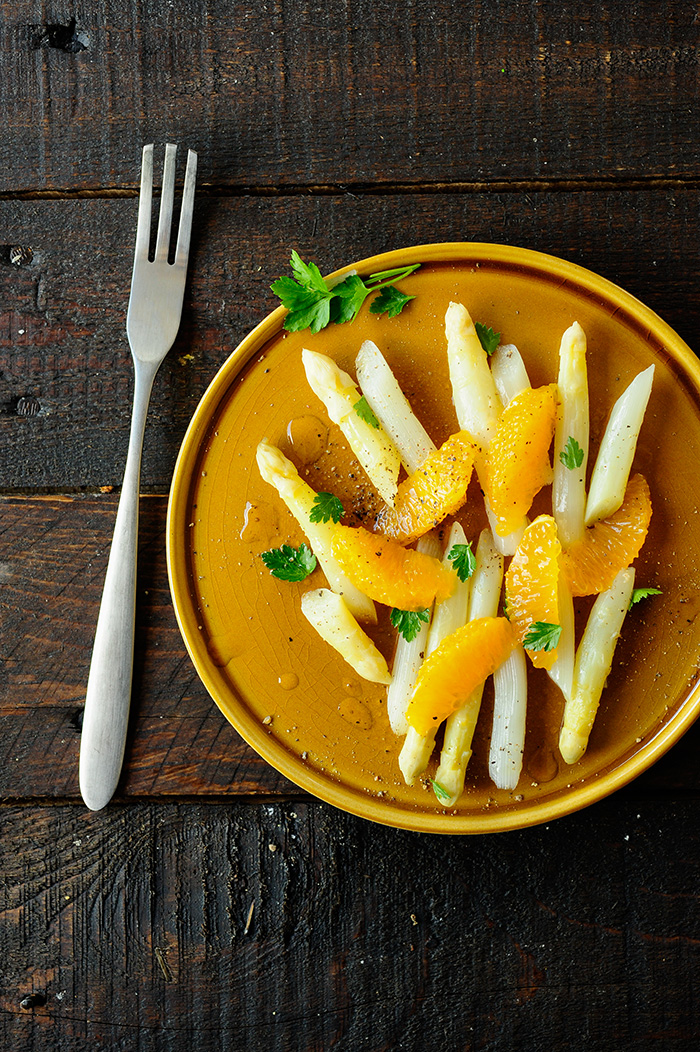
{"x": 312, "y": 303}
{"x": 364, "y": 411}
{"x": 441, "y": 793}
{"x": 290, "y": 564}
{"x": 389, "y": 301}
{"x": 464, "y": 560}
{"x": 326, "y": 506}
{"x": 571, "y": 455}
{"x": 488, "y": 339}
{"x": 408, "y": 622}
{"x": 642, "y": 593}
{"x": 541, "y": 635}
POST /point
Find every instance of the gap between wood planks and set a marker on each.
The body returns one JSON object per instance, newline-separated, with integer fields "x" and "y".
{"x": 497, "y": 186}
{"x": 252, "y": 800}
{"x": 68, "y": 493}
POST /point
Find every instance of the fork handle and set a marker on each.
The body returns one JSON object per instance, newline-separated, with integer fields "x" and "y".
{"x": 108, "y": 695}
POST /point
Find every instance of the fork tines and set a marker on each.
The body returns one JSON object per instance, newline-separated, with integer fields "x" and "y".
{"x": 143, "y": 229}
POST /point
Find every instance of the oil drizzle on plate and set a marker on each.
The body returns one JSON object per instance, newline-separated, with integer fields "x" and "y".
{"x": 308, "y": 437}
{"x": 260, "y": 522}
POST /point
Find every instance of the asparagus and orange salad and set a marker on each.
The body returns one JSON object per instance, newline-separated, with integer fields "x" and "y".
{"x": 465, "y": 609}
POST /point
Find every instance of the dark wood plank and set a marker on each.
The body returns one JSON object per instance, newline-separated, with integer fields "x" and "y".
{"x": 301, "y": 94}
{"x": 65, "y": 386}
{"x": 132, "y": 929}
{"x": 52, "y": 567}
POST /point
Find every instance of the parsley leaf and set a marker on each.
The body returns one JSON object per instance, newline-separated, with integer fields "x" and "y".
{"x": 488, "y": 339}
{"x": 311, "y": 303}
{"x": 571, "y": 455}
{"x": 307, "y": 273}
{"x": 464, "y": 560}
{"x": 326, "y": 507}
{"x": 349, "y": 297}
{"x": 290, "y": 564}
{"x": 440, "y": 792}
{"x": 308, "y": 308}
{"x": 389, "y": 301}
{"x": 541, "y": 635}
{"x": 408, "y": 622}
{"x": 643, "y": 593}
{"x": 364, "y": 411}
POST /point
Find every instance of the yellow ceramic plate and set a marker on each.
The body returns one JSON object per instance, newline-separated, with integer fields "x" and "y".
{"x": 285, "y": 691}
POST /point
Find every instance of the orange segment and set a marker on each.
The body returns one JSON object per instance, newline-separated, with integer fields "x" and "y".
{"x": 437, "y": 489}
{"x": 610, "y": 545}
{"x": 456, "y": 668}
{"x": 517, "y": 461}
{"x": 389, "y": 573}
{"x": 532, "y": 584}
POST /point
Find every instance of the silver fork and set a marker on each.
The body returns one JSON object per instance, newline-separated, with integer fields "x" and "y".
{"x": 153, "y": 319}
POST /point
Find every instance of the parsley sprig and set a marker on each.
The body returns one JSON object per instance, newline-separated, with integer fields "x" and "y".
{"x": 571, "y": 455}
{"x": 488, "y": 339}
{"x": 464, "y": 560}
{"x": 408, "y": 622}
{"x": 326, "y": 506}
{"x": 389, "y": 301}
{"x": 642, "y": 593}
{"x": 364, "y": 411}
{"x": 541, "y": 635}
{"x": 312, "y": 303}
{"x": 290, "y": 564}
{"x": 441, "y": 793}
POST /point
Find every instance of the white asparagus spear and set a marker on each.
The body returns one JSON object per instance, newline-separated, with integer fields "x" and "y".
{"x": 408, "y": 658}
{"x": 280, "y": 472}
{"x": 562, "y": 671}
{"x": 328, "y": 614}
{"x": 617, "y": 448}
{"x": 372, "y": 446}
{"x": 474, "y": 393}
{"x": 571, "y": 436}
{"x": 460, "y": 726}
{"x": 508, "y": 731}
{"x": 448, "y": 616}
{"x": 451, "y": 614}
{"x": 507, "y": 545}
{"x": 510, "y": 376}
{"x": 593, "y": 663}
{"x": 415, "y": 754}
{"x": 391, "y": 408}
{"x": 509, "y": 372}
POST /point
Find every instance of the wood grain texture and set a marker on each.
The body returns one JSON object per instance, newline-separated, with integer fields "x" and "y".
{"x": 52, "y": 563}
{"x": 302, "y": 93}
{"x": 133, "y": 931}
{"x": 53, "y": 557}
{"x": 62, "y": 314}
{"x": 212, "y": 907}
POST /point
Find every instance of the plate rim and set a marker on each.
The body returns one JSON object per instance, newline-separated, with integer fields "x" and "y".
{"x": 289, "y": 765}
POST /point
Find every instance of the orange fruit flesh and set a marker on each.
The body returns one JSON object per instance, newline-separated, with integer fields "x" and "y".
{"x": 437, "y": 489}
{"x": 532, "y": 584}
{"x": 389, "y": 573}
{"x": 517, "y": 460}
{"x": 611, "y": 545}
{"x": 456, "y": 668}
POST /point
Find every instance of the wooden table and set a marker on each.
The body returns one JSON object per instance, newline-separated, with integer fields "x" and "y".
{"x": 213, "y": 905}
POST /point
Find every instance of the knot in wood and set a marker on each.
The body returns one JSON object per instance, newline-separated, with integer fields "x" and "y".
{"x": 62, "y": 37}
{"x": 27, "y": 405}
{"x": 20, "y": 255}
{"x": 33, "y": 1001}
